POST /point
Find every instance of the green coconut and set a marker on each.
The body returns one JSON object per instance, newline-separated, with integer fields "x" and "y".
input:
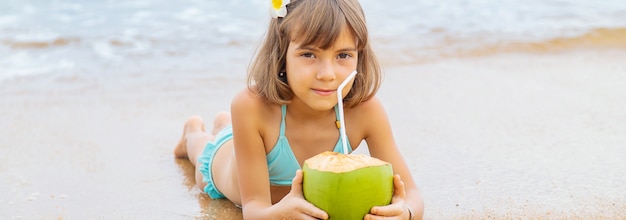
{"x": 347, "y": 186}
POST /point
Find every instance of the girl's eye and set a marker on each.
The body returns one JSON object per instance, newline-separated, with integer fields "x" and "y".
{"x": 308, "y": 55}
{"x": 344, "y": 56}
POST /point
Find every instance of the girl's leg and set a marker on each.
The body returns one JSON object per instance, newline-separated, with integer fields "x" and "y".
{"x": 193, "y": 141}
{"x": 224, "y": 167}
{"x": 192, "y": 145}
{"x": 221, "y": 120}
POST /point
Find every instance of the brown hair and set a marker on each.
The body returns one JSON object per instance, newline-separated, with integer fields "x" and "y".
{"x": 319, "y": 23}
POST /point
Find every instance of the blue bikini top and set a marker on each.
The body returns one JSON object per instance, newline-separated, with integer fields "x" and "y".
{"x": 282, "y": 163}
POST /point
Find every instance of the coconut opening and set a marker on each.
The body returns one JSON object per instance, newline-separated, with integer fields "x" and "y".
{"x": 340, "y": 163}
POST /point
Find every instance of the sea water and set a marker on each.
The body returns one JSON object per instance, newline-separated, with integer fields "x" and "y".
{"x": 82, "y": 38}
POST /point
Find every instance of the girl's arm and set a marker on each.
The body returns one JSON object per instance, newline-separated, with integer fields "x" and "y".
{"x": 250, "y": 156}
{"x": 382, "y": 145}
{"x": 249, "y": 115}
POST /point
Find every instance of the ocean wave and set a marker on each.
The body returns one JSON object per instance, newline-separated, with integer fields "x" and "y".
{"x": 600, "y": 38}
{"x": 458, "y": 47}
{"x": 39, "y": 44}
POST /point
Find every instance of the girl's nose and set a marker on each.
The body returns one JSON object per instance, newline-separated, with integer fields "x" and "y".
{"x": 326, "y": 72}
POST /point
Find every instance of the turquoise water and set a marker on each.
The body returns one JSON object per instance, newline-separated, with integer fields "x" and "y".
{"x": 103, "y": 37}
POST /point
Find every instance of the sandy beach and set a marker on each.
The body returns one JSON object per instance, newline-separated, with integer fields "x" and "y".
{"x": 504, "y": 136}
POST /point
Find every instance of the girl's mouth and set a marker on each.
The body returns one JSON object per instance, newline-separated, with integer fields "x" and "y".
{"x": 324, "y": 92}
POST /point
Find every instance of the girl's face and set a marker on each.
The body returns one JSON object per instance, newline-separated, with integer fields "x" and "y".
{"x": 314, "y": 74}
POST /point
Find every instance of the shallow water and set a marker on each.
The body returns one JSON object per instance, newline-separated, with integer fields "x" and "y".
{"x": 102, "y": 37}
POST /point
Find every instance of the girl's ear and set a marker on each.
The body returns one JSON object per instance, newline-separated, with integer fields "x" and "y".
{"x": 282, "y": 75}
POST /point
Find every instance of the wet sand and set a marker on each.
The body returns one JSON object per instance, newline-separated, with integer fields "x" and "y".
{"x": 507, "y": 136}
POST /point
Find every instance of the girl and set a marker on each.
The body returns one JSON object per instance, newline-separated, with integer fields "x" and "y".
{"x": 288, "y": 114}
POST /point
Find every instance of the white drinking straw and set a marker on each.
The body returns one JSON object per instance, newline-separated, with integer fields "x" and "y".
{"x": 342, "y": 123}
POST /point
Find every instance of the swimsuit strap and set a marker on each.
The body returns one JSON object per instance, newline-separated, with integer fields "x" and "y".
{"x": 338, "y": 128}
{"x": 283, "y": 109}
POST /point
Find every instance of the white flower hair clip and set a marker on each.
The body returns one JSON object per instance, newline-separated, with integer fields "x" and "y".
{"x": 279, "y": 8}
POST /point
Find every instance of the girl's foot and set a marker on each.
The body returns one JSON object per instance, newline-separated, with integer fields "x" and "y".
{"x": 222, "y": 119}
{"x": 192, "y": 125}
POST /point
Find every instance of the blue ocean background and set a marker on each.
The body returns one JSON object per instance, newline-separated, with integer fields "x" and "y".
{"x": 107, "y": 37}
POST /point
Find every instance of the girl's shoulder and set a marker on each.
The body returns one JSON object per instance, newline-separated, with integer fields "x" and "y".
{"x": 372, "y": 105}
{"x": 370, "y": 113}
{"x": 253, "y": 116}
{"x": 248, "y": 102}
{"x": 247, "y": 99}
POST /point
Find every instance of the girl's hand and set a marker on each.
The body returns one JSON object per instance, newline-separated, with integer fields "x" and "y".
{"x": 397, "y": 209}
{"x": 294, "y": 206}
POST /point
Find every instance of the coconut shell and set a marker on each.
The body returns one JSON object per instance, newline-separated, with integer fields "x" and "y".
{"x": 347, "y": 186}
